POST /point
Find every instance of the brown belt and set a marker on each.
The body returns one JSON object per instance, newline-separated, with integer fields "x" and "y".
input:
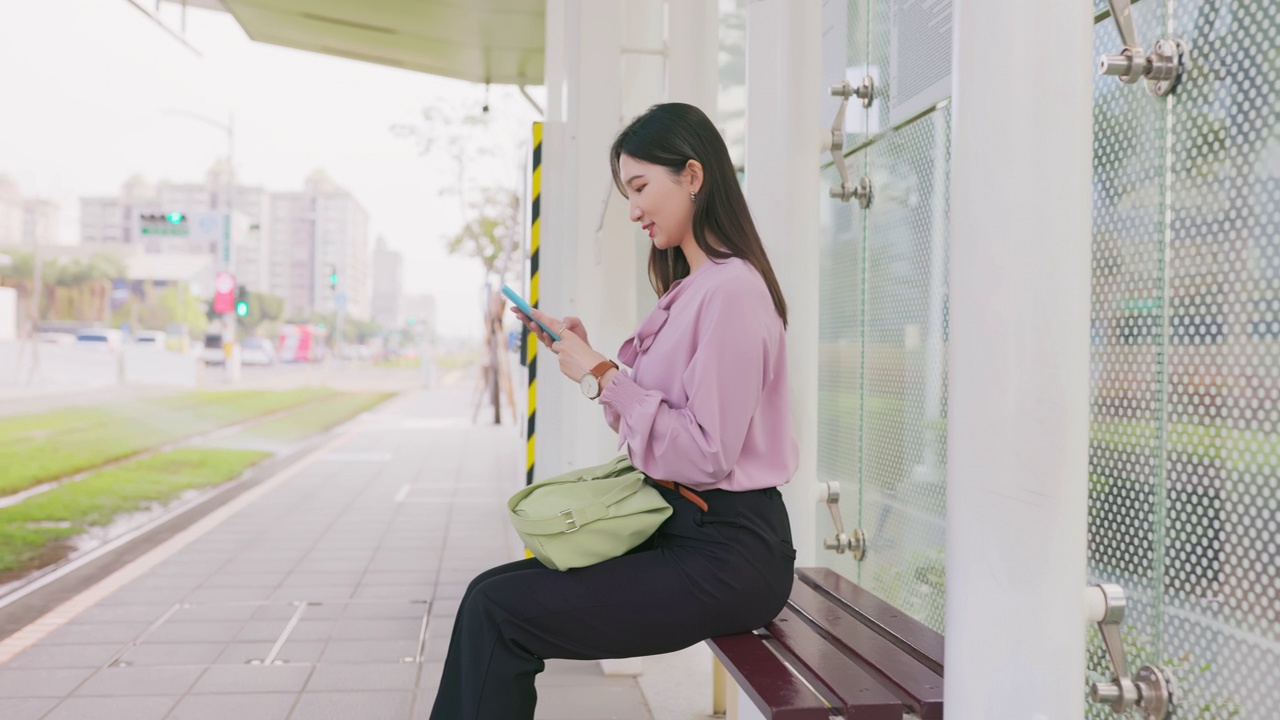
{"x": 689, "y": 495}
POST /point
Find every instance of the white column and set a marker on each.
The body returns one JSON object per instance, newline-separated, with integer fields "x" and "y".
{"x": 784, "y": 96}
{"x": 693, "y": 53}
{"x": 584, "y": 109}
{"x": 1019, "y": 360}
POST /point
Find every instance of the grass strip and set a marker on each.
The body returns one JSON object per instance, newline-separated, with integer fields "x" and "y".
{"x": 316, "y": 417}
{"x": 32, "y": 532}
{"x": 40, "y": 448}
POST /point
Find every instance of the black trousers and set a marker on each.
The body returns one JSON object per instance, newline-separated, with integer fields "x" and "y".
{"x": 702, "y": 574}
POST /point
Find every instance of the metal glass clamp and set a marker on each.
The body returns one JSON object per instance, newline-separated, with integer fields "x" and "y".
{"x": 846, "y": 190}
{"x": 856, "y": 545}
{"x": 1151, "y": 691}
{"x": 569, "y": 520}
{"x": 1161, "y": 69}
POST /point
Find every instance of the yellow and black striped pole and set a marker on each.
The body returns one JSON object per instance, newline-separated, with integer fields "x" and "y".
{"x": 531, "y": 344}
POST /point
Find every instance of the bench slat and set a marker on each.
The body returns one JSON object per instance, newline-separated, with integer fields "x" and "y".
{"x": 918, "y": 686}
{"x": 923, "y": 642}
{"x": 857, "y": 693}
{"x": 778, "y": 693}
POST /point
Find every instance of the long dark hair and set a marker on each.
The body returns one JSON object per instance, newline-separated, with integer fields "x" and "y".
{"x": 671, "y": 135}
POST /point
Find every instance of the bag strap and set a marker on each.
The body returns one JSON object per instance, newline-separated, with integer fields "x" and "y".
{"x": 571, "y": 519}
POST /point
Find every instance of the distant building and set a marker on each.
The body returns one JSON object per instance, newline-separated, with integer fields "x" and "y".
{"x": 177, "y": 218}
{"x": 284, "y": 244}
{"x": 388, "y": 286}
{"x": 11, "y": 213}
{"x": 25, "y": 221}
{"x": 315, "y": 233}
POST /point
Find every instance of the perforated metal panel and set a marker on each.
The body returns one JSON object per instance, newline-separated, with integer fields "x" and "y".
{"x": 1185, "y": 452}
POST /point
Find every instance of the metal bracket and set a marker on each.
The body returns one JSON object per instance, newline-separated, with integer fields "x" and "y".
{"x": 856, "y": 545}
{"x": 846, "y": 190}
{"x": 1151, "y": 690}
{"x": 1161, "y": 69}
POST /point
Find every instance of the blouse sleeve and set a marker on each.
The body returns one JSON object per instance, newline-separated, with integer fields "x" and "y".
{"x": 698, "y": 444}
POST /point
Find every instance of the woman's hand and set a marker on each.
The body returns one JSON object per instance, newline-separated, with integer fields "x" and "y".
{"x": 576, "y": 356}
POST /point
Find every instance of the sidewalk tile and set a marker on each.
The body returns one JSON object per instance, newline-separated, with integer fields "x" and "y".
{"x": 25, "y": 708}
{"x": 140, "y": 681}
{"x": 251, "y": 706}
{"x": 253, "y": 679}
{"x": 19, "y": 683}
{"x": 334, "y": 677}
{"x": 115, "y": 708}
{"x": 352, "y": 705}
{"x": 369, "y": 651}
{"x": 64, "y": 656}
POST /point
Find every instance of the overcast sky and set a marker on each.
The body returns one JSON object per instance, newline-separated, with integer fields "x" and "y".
{"x": 84, "y": 86}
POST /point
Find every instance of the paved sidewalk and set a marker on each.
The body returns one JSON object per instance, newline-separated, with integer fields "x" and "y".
{"x": 327, "y": 594}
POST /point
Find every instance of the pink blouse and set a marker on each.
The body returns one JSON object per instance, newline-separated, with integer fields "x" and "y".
{"x": 706, "y": 403}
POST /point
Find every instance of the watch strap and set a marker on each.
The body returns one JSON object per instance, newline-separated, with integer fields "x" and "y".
{"x": 604, "y": 367}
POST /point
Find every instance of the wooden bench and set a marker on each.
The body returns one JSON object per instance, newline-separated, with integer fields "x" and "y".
{"x": 836, "y": 649}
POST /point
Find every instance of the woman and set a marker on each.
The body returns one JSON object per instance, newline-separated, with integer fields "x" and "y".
{"x": 704, "y": 409}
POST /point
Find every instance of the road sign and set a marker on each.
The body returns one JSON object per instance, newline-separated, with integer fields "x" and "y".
{"x": 224, "y": 298}
{"x": 340, "y": 301}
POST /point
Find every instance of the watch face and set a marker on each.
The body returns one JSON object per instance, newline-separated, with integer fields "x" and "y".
{"x": 590, "y": 386}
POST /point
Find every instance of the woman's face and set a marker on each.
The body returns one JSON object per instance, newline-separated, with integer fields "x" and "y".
{"x": 659, "y": 200}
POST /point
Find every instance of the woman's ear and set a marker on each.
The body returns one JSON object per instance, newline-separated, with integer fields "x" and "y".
{"x": 693, "y": 173}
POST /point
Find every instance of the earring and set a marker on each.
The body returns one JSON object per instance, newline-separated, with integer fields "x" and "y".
{"x": 693, "y": 196}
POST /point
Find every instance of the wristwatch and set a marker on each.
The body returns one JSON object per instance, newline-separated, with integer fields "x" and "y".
{"x": 590, "y": 382}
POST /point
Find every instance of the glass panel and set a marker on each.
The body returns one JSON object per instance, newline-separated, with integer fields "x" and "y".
{"x": 1221, "y": 565}
{"x": 840, "y": 318}
{"x": 731, "y": 96}
{"x": 904, "y": 430}
{"x": 1126, "y": 489}
{"x": 840, "y": 361}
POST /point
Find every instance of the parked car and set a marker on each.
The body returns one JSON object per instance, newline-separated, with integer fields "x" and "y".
{"x": 56, "y": 337}
{"x": 152, "y": 340}
{"x": 100, "y": 339}
{"x": 257, "y": 351}
{"x": 212, "y": 352}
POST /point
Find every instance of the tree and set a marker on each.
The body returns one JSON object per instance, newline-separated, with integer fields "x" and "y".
{"x": 482, "y": 155}
{"x": 492, "y": 231}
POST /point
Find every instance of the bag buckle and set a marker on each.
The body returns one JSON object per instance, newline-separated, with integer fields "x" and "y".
{"x": 570, "y": 520}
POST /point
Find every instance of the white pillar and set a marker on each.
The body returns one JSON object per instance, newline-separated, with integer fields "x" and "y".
{"x": 584, "y": 107}
{"x": 693, "y": 53}
{"x": 590, "y": 266}
{"x": 784, "y": 96}
{"x": 1019, "y": 360}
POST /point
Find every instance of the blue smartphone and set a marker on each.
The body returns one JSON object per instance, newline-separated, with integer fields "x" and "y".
{"x": 519, "y": 302}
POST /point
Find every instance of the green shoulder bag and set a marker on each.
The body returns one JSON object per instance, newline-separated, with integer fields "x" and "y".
{"x": 589, "y": 515}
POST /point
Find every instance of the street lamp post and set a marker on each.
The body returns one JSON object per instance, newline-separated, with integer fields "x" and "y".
{"x": 231, "y": 362}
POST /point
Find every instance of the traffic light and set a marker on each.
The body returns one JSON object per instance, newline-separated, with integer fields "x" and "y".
{"x": 242, "y": 301}
{"x": 175, "y": 218}
{"x": 333, "y": 277}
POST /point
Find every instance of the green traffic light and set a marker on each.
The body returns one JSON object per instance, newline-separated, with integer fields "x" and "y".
{"x": 242, "y": 308}
{"x": 175, "y": 218}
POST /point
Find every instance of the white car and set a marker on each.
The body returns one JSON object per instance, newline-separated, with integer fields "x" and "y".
{"x": 212, "y": 352}
{"x": 100, "y": 339}
{"x": 256, "y": 351}
{"x": 151, "y": 340}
